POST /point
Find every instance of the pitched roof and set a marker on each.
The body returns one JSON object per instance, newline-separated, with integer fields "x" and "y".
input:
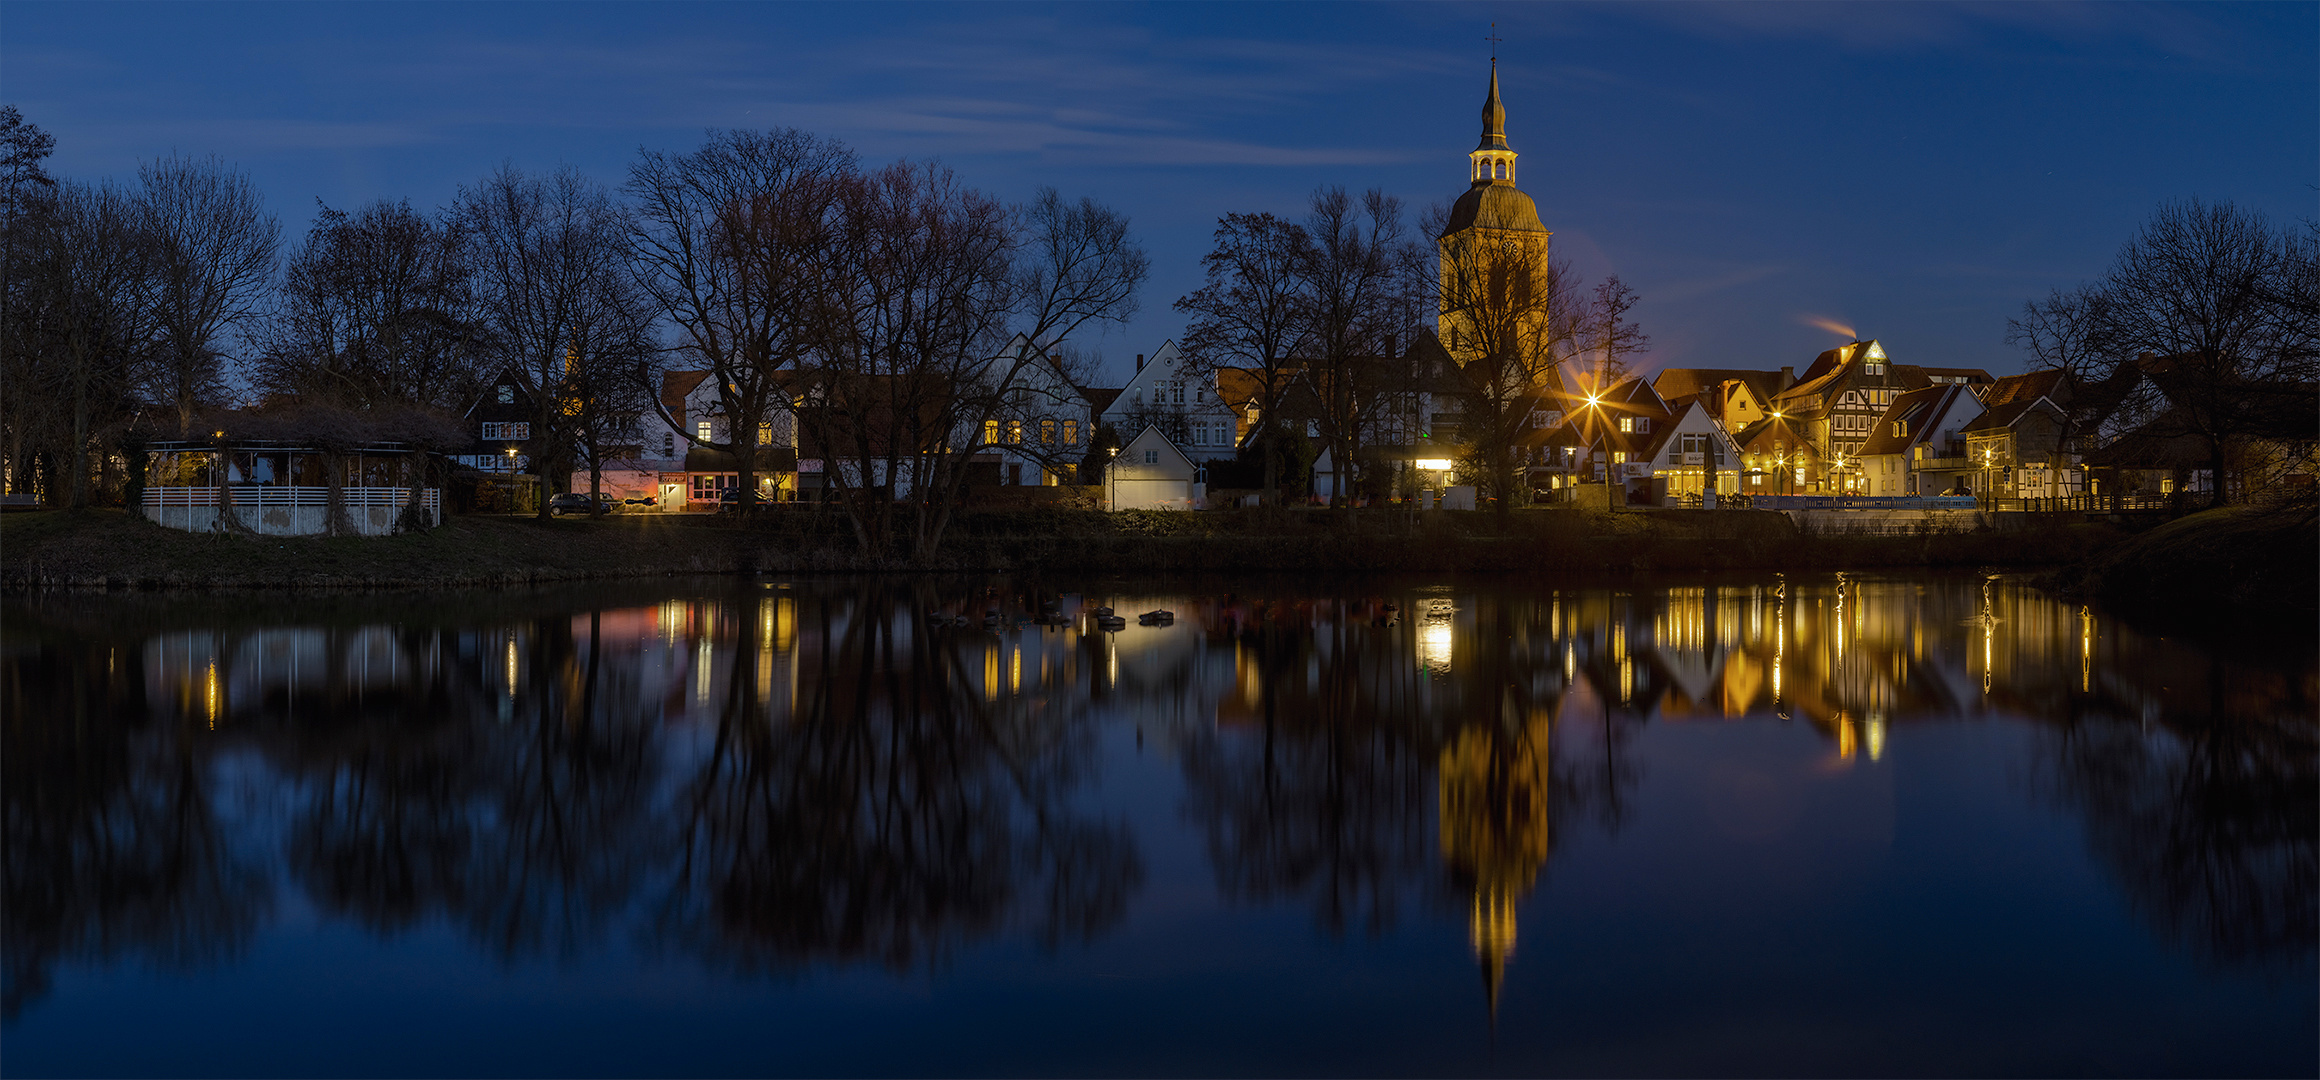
{"x": 1674, "y": 383}
{"x": 2027, "y": 387}
{"x": 1973, "y": 376}
{"x": 2007, "y": 415}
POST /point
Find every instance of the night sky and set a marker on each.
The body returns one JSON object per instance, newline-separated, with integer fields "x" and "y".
{"x": 1913, "y": 172}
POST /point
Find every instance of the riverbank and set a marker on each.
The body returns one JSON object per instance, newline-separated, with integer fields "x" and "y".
{"x": 2235, "y": 564}
{"x": 111, "y": 549}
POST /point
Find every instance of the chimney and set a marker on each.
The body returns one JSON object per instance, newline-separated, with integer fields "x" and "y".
{"x": 1787, "y": 378}
{"x": 1139, "y": 361}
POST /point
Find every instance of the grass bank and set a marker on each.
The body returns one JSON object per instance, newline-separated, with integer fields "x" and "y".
{"x": 2235, "y": 563}
{"x": 101, "y": 548}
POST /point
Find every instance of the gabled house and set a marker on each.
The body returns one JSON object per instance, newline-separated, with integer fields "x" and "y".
{"x": 1778, "y": 458}
{"x": 1697, "y": 456}
{"x": 2019, "y": 450}
{"x": 1152, "y": 473}
{"x": 1170, "y": 392}
{"x": 1612, "y": 436}
{"x": 500, "y": 421}
{"x": 1837, "y": 401}
{"x": 1042, "y": 430}
{"x": 1917, "y": 447}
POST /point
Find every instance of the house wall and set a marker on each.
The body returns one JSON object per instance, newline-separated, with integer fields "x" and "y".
{"x": 1696, "y": 472}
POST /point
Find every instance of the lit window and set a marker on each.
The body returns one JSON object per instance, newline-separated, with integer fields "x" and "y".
{"x": 765, "y": 434}
{"x": 701, "y": 431}
{"x": 1071, "y": 433}
{"x": 990, "y": 431}
{"x": 1619, "y": 457}
{"x": 1014, "y": 432}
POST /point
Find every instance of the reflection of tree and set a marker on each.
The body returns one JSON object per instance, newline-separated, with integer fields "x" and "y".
{"x": 1328, "y": 799}
{"x": 113, "y": 846}
{"x": 571, "y": 792}
{"x": 528, "y": 833}
{"x": 2211, "y": 823}
{"x": 897, "y": 817}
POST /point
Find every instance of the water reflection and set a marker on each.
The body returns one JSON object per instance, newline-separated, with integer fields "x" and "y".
{"x": 768, "y": 776}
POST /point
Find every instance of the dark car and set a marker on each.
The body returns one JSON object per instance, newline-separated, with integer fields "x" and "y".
{"x": 735, "y": 498}
{"x": 577, "y": 502}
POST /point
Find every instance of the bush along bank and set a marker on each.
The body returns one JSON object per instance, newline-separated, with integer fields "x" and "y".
{"x": 117, "y": 550}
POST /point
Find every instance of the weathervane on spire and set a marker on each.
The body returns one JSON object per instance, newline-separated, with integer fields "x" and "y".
{"x": 1494, "y": 39}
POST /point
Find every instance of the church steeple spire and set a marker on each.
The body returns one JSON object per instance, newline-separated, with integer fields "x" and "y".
{"x": 1493, "y": 115}
{"x": 1493, "y": 160}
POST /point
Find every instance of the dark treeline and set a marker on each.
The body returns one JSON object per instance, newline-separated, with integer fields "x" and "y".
{"x": 890, "y": 310}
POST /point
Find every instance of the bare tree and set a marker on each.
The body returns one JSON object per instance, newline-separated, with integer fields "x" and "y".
{"x": 956, "y": 314}
{"x": 550, "y": 258}
{"x": 1074, "y": 263}
{"x": 377, "y": 309}
{"x": 2068, "y": 332}
{"x": 1609, "y": 335}
{"x": 2219, "y": 313}
{"x": 1255, "y": 313}
{"x": 918, "y": 295}
{"x": 213, "y": 246}
{"x": 1356, "y": 271}
{"x": 732, "y": 243}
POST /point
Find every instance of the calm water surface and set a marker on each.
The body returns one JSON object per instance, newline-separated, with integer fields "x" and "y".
{"x": 1923, "y": 825}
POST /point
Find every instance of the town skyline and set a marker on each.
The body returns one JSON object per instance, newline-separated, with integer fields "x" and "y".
{"x": 1743, "y": 252}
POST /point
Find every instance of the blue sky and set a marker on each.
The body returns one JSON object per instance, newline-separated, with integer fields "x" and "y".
{"x": 1912, "y": 171}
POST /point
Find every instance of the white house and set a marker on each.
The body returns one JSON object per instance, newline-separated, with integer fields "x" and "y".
{"x": 1168, "y": 391}
{"x": 1699, "y": 455}
{"x": 1151, "y": 473}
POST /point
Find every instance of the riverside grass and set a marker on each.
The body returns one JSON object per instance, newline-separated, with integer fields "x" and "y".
{"x": 113, "y": 549}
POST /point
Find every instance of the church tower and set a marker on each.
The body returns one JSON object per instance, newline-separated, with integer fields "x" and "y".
{"x": 1494, "y": 252}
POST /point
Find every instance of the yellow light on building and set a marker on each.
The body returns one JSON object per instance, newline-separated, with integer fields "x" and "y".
{"x": 1435, "y": 464}
{"x": 1434, "y": 643}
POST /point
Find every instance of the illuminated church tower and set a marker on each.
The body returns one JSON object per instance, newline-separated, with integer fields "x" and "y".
{"x": 1494, "y": 252}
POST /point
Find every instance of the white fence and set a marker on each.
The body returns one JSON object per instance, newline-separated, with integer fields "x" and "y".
{"x": 287, "y": 510}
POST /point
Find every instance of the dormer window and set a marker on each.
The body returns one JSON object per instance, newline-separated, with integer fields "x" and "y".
{"x": 507, "y": 394}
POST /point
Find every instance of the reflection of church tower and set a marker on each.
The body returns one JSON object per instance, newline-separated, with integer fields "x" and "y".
{"x": 1495, "y": 834}
{"x": 1492, "y": 243}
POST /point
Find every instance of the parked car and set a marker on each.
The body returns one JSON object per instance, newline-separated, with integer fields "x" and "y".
{"x": 735, "y": 498}
{"x": 577, "y": 502}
